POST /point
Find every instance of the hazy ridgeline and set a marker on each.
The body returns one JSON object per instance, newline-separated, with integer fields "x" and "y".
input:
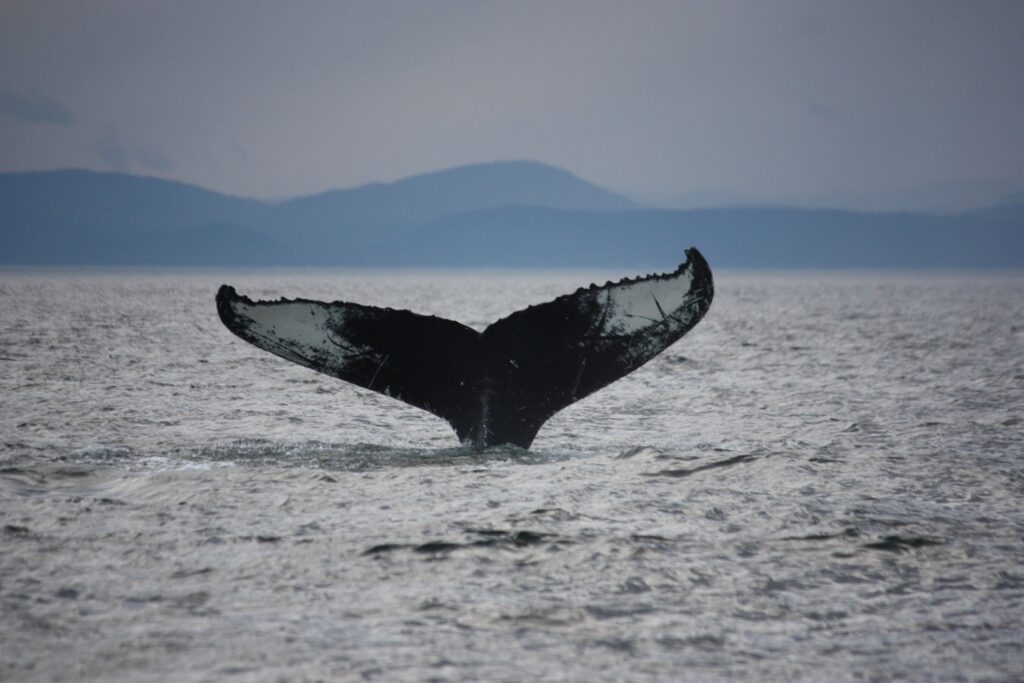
{"x": 509, "y": 214}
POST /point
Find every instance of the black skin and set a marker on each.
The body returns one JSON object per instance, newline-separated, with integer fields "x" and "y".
{"x": 494, "y": 387}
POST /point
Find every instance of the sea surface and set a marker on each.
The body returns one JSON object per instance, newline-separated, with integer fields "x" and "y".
{"x": 823, "y": 481}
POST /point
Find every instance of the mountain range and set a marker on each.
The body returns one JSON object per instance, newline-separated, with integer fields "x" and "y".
{"x": 503, "y": 214}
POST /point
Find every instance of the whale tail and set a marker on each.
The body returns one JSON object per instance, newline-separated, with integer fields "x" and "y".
{"x": 497, "y": 386}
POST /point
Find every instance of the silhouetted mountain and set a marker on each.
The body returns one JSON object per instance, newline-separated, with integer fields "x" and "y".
{"x": 510, "y": 214}
{"x": 117, "y": 201}
{"x": 342, "y": 225}
{"x": 219, "y": 244}
{"x": 85, "y": 217}
{"x": 742, "y": 238}
{"x": 88, "y": 217}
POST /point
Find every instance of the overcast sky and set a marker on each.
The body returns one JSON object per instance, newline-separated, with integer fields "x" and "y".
{"x": 859, "y": 104}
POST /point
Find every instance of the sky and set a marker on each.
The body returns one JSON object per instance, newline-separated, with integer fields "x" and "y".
{"x": 869, "y": 105}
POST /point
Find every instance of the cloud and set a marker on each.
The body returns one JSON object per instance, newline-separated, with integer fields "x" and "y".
{"x": 120, "y": 156}
{"x": 35, "y": 107}
{"x": 821, "y": 111}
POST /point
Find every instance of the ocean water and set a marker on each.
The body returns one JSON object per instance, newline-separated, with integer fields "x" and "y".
{"x": 823, "y": 481}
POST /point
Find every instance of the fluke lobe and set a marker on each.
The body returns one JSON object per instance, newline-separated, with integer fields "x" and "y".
{"x": 497, "y": 386}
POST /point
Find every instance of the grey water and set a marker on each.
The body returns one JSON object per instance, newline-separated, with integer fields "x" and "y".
{"x": 822, "y": 481}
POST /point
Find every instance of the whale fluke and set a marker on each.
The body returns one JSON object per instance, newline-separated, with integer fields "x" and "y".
{"x": 497, "y": 386}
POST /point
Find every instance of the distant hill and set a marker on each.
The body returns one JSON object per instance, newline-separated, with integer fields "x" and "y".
{"x": 117, "y": 200}
{"x": 349, "y": 225}
{"x": 767, "y": 238}
{"x": 85, "y": 217}
{"x": 506, "y": 214}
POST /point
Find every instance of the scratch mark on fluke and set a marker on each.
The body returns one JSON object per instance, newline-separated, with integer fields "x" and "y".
{"x": 497, "y": 386}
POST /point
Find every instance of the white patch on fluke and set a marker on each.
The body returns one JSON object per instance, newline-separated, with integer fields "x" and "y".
{"x": 632, "y": 306}
{"x": 303, "y": 332}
